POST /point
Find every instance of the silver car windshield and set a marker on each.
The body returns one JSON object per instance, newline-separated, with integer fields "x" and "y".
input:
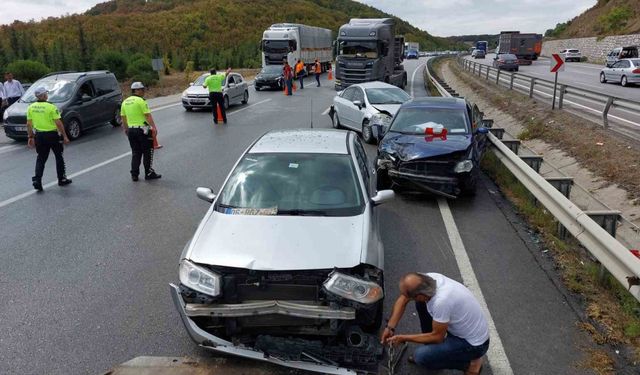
{"x": 387, "y": 96}
{"x": 417, "y": 120}
{"x": 200, "y": 80}
{"x": 292, "y": 184}
{"x": 59, "y": 90}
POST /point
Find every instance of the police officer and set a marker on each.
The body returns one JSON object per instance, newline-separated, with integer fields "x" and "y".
{"x": 139, "y": 127}
{"x": 44, "y": 118}
{"x": 214, "y": 84}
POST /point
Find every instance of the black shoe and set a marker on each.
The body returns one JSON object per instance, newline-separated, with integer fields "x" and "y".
{"x": 64, "y": 181}
{"x": 215, "y": 122}
{"x": 152, "y": 176}
{"x": 37, "y": 185}
{"x": 134, "y": 177}
{"x": 225, "y": 121}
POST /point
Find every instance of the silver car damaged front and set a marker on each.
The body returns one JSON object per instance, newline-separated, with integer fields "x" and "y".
{"x": 274, "y": 302}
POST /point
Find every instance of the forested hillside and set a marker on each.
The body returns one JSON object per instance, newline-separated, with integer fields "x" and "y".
{"x": 607, "y": 17}
{"x": 207, "y": 32}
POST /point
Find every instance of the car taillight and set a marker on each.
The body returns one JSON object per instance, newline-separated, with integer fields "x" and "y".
{"x": 636, "y": 71}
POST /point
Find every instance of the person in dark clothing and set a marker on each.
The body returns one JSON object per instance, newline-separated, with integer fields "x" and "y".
{"x": 214, "y": 83}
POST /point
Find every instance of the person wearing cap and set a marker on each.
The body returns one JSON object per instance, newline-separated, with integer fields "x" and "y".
{"x": 214, "y": 84}
{"x": 44, "y": 118}
{"x": 13, "y": 89}
{"x": 139, "y": 127}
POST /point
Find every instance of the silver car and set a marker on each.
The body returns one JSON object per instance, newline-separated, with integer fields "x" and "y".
{"x": 625, "y": 71}
{"x": 234, "y": 88}
{"x": 287, "y": 265}
{"x": 571, "y": 55}
{"x": 360, "y": 106}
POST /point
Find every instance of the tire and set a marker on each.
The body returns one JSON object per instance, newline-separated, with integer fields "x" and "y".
{"x": 73, "y": 127}
{"x": 188, "y": 109}
{"x": 245, "y": 99}
{"x": 516, "y": 69}
{"x": 117, "y": 119}
{"x": 623, "y": 81}
{"x": 226, "y": 102}
{"x": 383, "y": 182}
{"x": 468, "y": 185}
{"x": 256, "y": 88}
{"x": 603, "y": 78}
{"x": 335, "y": 121}
{"x": 367, "y": 134}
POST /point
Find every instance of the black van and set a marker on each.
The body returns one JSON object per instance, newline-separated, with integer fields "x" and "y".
{"x": 85, "y": 100}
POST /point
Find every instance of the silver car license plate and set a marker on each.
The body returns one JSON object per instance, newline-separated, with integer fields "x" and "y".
{"x": 20, "y": 128}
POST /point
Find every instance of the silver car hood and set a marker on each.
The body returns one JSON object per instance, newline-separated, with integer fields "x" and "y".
{"x": 278, "y": 242}
{"x": 197, "y": 90}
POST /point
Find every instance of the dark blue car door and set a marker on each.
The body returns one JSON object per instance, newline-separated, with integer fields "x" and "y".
{"x": 479, "y": 139}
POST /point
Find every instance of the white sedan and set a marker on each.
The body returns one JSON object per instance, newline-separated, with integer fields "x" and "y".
{"x": 360, "y": 106}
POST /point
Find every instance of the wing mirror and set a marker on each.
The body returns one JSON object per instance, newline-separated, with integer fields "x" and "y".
{"x": 483, "y": 130}
{"x": 205, "y": 194}
{"x": 85, "y": 98}
{"x": 383, "y": 196}
{"x": 378, "y": 131}
{"x": 232, "y": 85}
{"x": 358, "y": 104}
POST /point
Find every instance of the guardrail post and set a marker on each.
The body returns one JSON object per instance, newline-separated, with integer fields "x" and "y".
{"x": 498, "y": 77}
{"x": 513, "y": 144}
{"x": 562, "y": 90}
{"x": 497, "y": 132}
{"x": 608, "y": 220}
{"x": 487, "y": 73}
{"x": 511, "y": 81}
{"x": 533, "y": 83}
{"x": 605, "y": 112}
{"x": 534, "y": 161}
{"x": 473, "y": 69}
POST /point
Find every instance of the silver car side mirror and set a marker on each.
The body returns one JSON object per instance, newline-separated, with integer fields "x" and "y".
{"x": 206, "y": 194}
{"x": 383, "y": 196}
{"x": 358, "y": 104}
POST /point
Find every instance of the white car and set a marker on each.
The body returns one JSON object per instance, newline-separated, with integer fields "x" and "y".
{"x": 360, "y": 106}
{"x": 287, "y": 264}
{"x": 234, "y": 88}
{"x": 571, "y": 55}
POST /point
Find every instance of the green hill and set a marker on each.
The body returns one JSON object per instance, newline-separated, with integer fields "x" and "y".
{"x": 207, "y": 32}
{"x": 607, "y": 17}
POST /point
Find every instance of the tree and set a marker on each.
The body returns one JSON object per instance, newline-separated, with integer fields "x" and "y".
{"x": 84, "y": 50}
{"x": 28, "y": 70}
{"x": 113, "y": 61}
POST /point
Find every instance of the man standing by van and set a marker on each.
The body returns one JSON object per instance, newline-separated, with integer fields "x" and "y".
{"x": 13, "y": 89}
{"x": 44, "y": 118}
{"x": 214, "y": 83}
{"x": 139, "y": 127}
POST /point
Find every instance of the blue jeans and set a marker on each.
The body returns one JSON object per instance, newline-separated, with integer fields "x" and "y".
{"x": 289, "y": 83}
{"x": 454, "y": 353}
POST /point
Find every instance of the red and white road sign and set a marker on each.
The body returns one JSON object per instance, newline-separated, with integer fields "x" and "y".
{"x": 557, "y": 63}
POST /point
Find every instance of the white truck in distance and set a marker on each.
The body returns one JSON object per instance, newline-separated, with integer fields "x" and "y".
{"x": 293, "y": 41}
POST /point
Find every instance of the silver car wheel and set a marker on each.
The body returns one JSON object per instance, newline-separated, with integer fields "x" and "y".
{"x": 335, "y": 122}
{"x": 603, "y": 78}
{"x": 367, "y": 135}
{"x": 226, "y": 102}
{"x": 624, "y": 82}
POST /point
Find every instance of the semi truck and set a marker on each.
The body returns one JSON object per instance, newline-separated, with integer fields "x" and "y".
{"x": 526, "y": 46}
{"x": 292, "y": 41}
{"x": 483, "y": 45}
{"x": 368, "y": 50}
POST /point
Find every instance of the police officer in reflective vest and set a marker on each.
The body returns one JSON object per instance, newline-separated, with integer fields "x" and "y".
{"x": 44, "y": 118}
{"x": 214, "y": 83}
{"x": 138, "y": 126}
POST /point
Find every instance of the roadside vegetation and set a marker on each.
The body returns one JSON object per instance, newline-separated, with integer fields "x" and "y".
{"x": 606, "y": 17}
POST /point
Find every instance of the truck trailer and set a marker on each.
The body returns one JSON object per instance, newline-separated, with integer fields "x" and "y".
{"x": 292, "y": 41}
{"x": 368, "y": 50}
{"x": 525, "y": 46}
{"x": 483, "y": 45}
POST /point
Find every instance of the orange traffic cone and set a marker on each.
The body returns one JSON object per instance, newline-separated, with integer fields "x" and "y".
{"x": 284, "y": 90}
{"x": 219, "y": 113}
{"x": 330, "y": 77}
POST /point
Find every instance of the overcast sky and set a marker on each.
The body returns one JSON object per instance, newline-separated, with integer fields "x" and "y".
{"x": 438, "y": 17}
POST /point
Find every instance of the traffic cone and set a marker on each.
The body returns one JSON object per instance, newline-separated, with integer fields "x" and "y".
{"x": 156, "y": 145}
{"x": 219, "y": 113}
{"x": 284, "y": 90}
{"x": 330, "y": 76}
{"x": 294, "y": 87}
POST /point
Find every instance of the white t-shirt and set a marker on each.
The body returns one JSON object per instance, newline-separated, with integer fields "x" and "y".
{"x": 455, "y": 305}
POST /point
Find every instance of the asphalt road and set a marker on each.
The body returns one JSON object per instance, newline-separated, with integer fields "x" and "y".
{"x": 84, "y": 269}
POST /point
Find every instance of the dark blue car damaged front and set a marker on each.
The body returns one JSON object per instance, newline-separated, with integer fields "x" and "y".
{"x": 444, "y": 165}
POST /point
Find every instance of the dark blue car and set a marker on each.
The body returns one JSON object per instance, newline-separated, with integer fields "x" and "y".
{"x": 433, "y": 144}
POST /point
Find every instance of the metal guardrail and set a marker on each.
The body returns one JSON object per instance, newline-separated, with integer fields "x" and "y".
{"x": 606, "y": 102}
{"x": 611, "y": 254}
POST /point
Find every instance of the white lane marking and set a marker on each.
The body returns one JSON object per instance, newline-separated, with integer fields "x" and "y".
{"x": 497, "y": 356}
{"x": 413, "y": 76}
{"x": 53, "y": 183}
{"x": 10, "y": 148}
{"x": 326, "y": 111}
{"x": 165, "y": 107}
{"x": 102, "y": 164}
{"x": 249, "y": 106}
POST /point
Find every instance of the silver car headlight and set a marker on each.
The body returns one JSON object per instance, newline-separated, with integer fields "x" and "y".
{"x": 353, "y": 288}
{"x": 5, "y": 117}
{"x": 380, "y": 119}
{"x": 184, "y": 94}
{"x": 199, "y": 279}
{"x": 463, "y": 166}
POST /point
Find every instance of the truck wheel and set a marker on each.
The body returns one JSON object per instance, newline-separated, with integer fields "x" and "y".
{"x": 367, "y": 134}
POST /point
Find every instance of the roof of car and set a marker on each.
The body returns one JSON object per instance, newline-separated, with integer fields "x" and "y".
{"x": 306, "y": 141}
{"x": 75, "y": 75}
{"x": 435, "y": 102}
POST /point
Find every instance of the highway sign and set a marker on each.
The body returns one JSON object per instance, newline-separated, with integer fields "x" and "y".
{"x": 557, "y": 63}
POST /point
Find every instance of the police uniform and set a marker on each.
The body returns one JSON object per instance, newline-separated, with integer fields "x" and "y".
{"x": 214, "y": 84}
{"x": 43, "y": 116}
{"x": 134, "y": 108}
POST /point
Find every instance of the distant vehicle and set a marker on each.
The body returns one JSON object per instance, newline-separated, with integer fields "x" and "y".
{"x": 434, "y": 144}
{"x": 506, "y": 61}
{"x": 571, "y": 55}
{"x": 245, "y": 291}
{"x": 234, "y": 89}
{"x": 411, "y": 47}
{"x": 292, "y": 41}
{"x": 85, "y": 100}
{"x": 526, "y": 46}
{"x": 270, "y": 77}
{"x": 482, "y": 45}
{"x": 630, "y": 52}
{"x": 412, "y": 55}
{"x": 478, "y": 54}
{"x": 423, "y": 54}
{"x": 360, "y": 106}
{"x": 369, "y": 50}
{"x": 625, "y": 71}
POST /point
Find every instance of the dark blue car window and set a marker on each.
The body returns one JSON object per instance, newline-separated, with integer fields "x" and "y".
{"x": 416, "y": 120}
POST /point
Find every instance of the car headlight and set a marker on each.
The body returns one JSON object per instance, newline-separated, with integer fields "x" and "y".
{"x": 463, "y": 166}
{"x": 199, "y": 279}
{"x": 380, "y": 119}
{"x": 353, "y": 288}
{"x": 184, "y": 94}
{"x": 5, "y": 117}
